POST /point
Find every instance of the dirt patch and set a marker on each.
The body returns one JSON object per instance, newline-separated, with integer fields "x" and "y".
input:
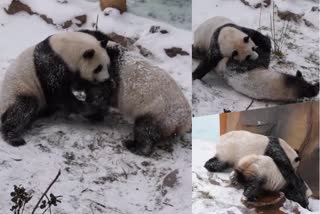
{"x": 16, "y": 6}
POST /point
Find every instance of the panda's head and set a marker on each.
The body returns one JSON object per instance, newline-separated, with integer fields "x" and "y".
{"x": 93, "y": 64}
{"x": 244, "y": 49}
{"x": 302, "y": 87}
{"x": 83, "y": 54}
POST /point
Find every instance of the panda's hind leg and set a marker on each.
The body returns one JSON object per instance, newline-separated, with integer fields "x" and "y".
{"x": 216, "y": 165}
{"x": 146, "y": 134}
{"x": 17, "y": 117}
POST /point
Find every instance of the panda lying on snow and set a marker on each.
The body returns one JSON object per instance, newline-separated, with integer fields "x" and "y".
{"x": 260, "y": 163}
{"x": 251, "y": 76}
{"x": 144, "y": 93}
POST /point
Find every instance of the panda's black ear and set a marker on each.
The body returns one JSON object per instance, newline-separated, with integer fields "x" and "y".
{"x": 246, "y": 39}
{"x": 104, "y": 43}
{"x": 234, "y": 53}
{"x": 88, "y": 54}
{"x": 299, "y": 74}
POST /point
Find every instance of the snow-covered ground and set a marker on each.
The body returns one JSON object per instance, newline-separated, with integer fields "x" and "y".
{"x": 212, "y": 192}
{"x": 301, "y": 48}
{"x": 98, "y": 174}
{"x": 175, "y": 12}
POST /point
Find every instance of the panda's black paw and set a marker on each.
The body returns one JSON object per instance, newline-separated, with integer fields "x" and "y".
{"x": 94, "y": 118}
{"x": 17, "y": 142}
{"x": 134, "y": 147}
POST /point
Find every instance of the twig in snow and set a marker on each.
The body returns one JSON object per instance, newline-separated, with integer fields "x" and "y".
{"x": 168, "y": 204}
{"x": 250, "y": 104}
{"x": 45, "y": 192}
{"x": 97, "y": 21}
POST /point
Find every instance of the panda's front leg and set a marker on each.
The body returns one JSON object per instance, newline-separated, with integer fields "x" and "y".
{"x": 253, "y": 188}
{"x": 202, "y": 69}
{"x": 146, "y": 134}
{"x": 17, "y": 117}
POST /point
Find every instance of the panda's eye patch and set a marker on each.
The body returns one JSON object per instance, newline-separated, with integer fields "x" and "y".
{"x": 98, "y": 69}
{"x": 234, "y": 53}
{"x": 297, "y": 159}
{"x": 248, "y": 57}
{"x": 88, "y": 54}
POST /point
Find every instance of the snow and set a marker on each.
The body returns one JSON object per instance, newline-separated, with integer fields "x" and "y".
{"x": 175, "y": 12}
{"x": 212, "y": 192}
{"x": 96, "y": 168}
{"x": 211, "y": 95}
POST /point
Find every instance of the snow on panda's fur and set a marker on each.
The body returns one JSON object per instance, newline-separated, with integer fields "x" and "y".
{"x": 40, "y": 78}
{"x": 267, "y": 84}
{"x": 146, "y": 94}
{"x": 219, "y": 37}
{"x": 234, "y": 145}
{"x": 258, "y": 173}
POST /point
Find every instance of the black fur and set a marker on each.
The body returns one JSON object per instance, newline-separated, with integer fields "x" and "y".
{"x": 54, "y": 75}
{"x": 197, "y": 53}
{"x": 253, "y": 188}
{"x": 147, "y": 134}
{"x": 297, "y": 194}
{"x": 215, "y": 165}
{"x": 98, "y": 35}
{"x": 98, "y": 99}
{"x": 301, "y": 86}
{"x": 297, "y": 186}
{"x": 17, "y": 117}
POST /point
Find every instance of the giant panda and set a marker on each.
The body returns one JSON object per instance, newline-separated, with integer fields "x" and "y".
{"x": 219, "y": 37}
{"x": 145, "y": 94}
{"x": 39, "y": 80}
{"x": 258, "y": 173}
{"x": 234, "y": 145}
{"x": 266, "y": 84}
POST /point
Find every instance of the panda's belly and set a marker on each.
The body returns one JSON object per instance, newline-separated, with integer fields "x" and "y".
{"x": 21, "y": 79}
{"x": 260, "y": 84}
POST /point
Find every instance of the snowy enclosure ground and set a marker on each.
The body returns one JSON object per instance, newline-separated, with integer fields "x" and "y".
{"x": 98, "y": 174}
{"x": 212, "y": 193}
{"x": 175, "y": 12}
{"x": 301, "y": 48}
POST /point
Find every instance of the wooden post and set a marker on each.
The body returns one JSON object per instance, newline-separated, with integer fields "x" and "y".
{"x": 121, "y": 5}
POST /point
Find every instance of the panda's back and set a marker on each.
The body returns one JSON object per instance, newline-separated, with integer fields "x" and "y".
{"x": 146, "y": 89}
{"x": 204, "y": 32}
{"x": 234, "y": 145}
{"x": 21, "y": 79}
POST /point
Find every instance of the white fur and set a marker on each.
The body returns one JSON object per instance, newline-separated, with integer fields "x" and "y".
{"x": 258, "y": 83}
{"x": 21, "y": 78}
{"x": 71, "y": 46}
{"x": 203, "y": 33}
{"x": 146, "y": 89}
{"x": 229, "y": 38}
{"x": 235, "y": 145}
{"x": 263, "y": 166}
